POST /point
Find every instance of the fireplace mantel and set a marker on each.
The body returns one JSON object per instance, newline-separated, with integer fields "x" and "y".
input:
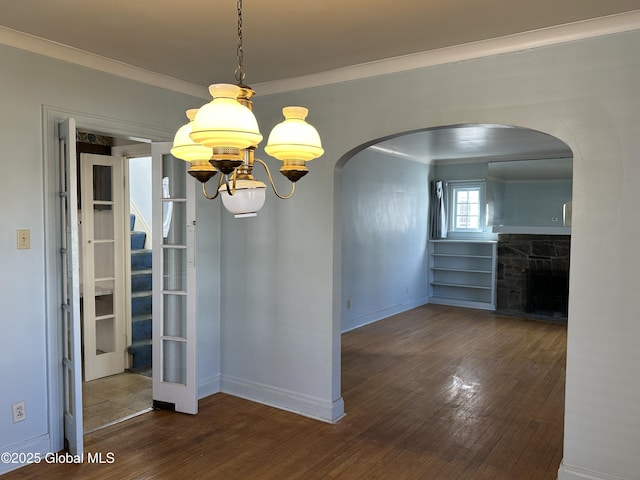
{"x": 526, "y": 230}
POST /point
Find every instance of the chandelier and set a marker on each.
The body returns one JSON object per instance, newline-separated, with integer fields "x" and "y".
{"x": 222, "y": 136}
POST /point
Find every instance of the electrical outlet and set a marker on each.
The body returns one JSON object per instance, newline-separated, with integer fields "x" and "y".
{"x": 19, "y": 412}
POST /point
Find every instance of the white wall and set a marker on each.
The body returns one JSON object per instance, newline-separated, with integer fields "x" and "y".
{"x": 275, "y": 335}
{"x": 384, "y": 237}
{"x": 208, "y": 291}
{"x": 587, "y": 94}
{"x": 140, "y": 186}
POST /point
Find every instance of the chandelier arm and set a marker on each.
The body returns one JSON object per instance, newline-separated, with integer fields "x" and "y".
{"x": 231, "y": 190}
{"x": 211, "y": 197}
{"x": 226, "y": 182}
{"x": 273, "y": 185}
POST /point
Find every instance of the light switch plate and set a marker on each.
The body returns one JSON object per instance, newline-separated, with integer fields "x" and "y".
{"x": 24, "y": 239}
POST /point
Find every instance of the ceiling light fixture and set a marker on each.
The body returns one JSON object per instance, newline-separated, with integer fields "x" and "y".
{"x": 222, "y": 135}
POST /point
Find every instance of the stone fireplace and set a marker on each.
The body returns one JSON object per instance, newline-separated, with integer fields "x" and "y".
{"x": 532, "y": 277}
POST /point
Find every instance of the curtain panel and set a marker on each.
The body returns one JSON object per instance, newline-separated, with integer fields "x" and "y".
{"x": 437, "y": 210}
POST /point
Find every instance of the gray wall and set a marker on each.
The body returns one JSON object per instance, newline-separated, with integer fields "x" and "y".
{"x": 384, "y": 237}
{"x": 534, "y": 203}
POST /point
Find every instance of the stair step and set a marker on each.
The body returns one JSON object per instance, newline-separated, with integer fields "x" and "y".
{"x": 141, "y": 328}
{"x": 138, "y": 240}
{"x": 141, "y": 303}
{"x": 141, "y": 280}
{"x": 140, "y": 260}
{"x": 141, "y": 352}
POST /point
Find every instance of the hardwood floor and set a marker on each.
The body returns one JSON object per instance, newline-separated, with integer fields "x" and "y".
{"x": 433, "y": 393}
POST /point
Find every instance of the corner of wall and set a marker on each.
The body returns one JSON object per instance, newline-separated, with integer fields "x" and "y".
{"x": 330, "y": 412}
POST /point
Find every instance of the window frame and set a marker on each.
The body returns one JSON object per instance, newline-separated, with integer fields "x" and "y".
{"x": 469, "y": 185}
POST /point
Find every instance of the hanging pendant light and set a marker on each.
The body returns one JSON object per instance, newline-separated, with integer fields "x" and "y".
{"x": 248, "y": 198}
{"x": 196, "y": 154}
{"x": 223, "y": 135}
{"x": 294, "y": 142}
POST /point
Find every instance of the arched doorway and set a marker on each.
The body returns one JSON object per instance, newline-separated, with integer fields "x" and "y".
{"x": 426, "y": 356}
{"x": 384, "y": 202}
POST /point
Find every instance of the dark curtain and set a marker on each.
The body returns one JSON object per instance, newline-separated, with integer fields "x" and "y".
{"x": 437, "y": 210}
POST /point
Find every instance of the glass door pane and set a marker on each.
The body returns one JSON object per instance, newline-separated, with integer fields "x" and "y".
{"x": 174, "y": 270}
{"x": 174, "y": 298}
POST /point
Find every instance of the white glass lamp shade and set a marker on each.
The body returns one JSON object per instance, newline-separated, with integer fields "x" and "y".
{"x": 247, "y": 199}
{"x": 294, "y": 139}
{"x": 225, "y": 122}
{"x": 185, "y": 148}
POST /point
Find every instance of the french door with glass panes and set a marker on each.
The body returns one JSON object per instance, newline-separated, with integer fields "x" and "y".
{"x": 70, "y": 291}
{"x": 103, "y": 265}
{"x": 174, "y": 278}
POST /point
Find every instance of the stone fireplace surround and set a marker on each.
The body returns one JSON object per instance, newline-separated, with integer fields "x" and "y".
{"x": 532, "y": 275}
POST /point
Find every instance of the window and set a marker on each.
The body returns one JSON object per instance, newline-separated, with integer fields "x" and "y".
{"x": 466, "y": 200}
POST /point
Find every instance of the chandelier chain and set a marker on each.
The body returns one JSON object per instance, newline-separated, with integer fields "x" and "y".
{"x": 239, "y": 72}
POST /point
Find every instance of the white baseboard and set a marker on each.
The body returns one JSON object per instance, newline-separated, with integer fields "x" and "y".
{"x": 372, "y": 317}
{"x": 568, "y": 472}
{"x": 209, "y": 387}
{"x": 329, "y": 412}
{"x": 39, "y": 445}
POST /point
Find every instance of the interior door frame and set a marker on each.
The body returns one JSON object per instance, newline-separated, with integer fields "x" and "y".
{"x": 51, "y": 118}
{"x": 126, "y": 152}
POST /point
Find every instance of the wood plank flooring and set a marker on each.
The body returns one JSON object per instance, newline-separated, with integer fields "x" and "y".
{"x": 434, "y": 393}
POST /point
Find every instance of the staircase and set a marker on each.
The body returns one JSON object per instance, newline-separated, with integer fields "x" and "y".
{"x": 140, "y": 347}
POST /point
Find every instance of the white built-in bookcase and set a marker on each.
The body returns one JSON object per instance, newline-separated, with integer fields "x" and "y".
{"x": 463, "y": 273}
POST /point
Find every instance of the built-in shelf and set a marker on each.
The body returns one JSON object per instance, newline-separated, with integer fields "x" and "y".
{"x": 446, "y": 269}
{"x": 463, "y": 273}
{"x": 462, "y": 285}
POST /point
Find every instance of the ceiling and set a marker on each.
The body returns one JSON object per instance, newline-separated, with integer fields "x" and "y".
{"x": 195, "y": 41}
{"x": 474, "y": 143}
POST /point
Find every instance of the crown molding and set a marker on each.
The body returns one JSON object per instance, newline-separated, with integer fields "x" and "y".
{"x": 570, "y": 32}
{"x": 59, "y": 51}
{"x": 503, "y": 158}
{"x": 619, "y": 23}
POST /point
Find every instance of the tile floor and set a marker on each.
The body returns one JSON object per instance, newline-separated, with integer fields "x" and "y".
{"x": 109, "y": 399}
